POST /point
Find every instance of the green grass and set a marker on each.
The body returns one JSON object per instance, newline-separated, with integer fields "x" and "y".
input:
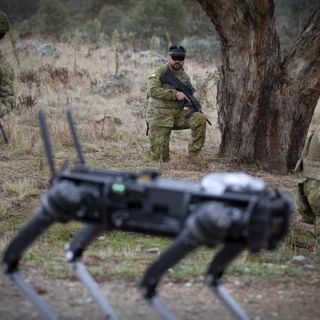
{"x": 265, "y": 270}
{"x": 125, "y": 256}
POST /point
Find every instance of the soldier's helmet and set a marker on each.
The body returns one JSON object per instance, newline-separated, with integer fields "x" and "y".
{"x": 4, "y": 23}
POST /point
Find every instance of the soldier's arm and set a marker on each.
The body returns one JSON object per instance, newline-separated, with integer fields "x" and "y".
{"x": 156, "y": 90}
{"x": 7, "y": 98}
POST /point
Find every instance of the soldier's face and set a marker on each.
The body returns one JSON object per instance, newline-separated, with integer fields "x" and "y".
{"x": 175, "y": 64}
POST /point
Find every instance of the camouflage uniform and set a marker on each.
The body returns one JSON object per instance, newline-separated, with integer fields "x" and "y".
{"x": 308, "y": 195}
{"x": 7, "y": 98}
{"x": 165, "y": 114}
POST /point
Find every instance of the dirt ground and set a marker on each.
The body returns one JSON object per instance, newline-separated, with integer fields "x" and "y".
{"x": 262, "y": 298}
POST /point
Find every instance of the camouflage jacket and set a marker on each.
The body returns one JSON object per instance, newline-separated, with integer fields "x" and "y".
{"x": 162, "y": 103}
{"x": 7, "y": 98}
{"x": 311, "y": 162}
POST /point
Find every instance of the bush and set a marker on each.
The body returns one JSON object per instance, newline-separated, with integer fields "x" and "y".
{"x": 52, "y": 18}
{"x": 28, "y": 27}
{"x": 156, "y": 18}
{"x": 92, "y": 31}
{"x": 205, "y": 48}
{"x": 111, "y": 18}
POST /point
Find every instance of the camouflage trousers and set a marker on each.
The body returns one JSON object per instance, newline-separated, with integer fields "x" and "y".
{"x": 307, "y": 233}
{"x": 159, "y": 136}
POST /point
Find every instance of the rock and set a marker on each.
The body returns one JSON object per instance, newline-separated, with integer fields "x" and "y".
{"x": 48, "y": 50}
{"x": 40, "y": 290}
{"x": 299, "y": 259}
{"x": 237, "y": 283}
{"x": 42, "y": 50}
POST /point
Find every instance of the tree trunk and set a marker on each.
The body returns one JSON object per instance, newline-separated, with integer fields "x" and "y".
{"x": 265, "y": 105}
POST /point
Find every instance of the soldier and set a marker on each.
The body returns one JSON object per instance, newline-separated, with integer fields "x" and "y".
{"x": 167, "y": 110}
{"x": 7, "y": 98}
{"x": 308, "y": 200}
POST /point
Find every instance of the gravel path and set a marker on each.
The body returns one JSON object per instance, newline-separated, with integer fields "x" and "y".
{"x": 261, "y": 298}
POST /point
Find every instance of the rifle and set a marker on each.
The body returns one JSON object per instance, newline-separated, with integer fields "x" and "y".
{"x": 168, "y": 77}
{"x": 5, "y": 138}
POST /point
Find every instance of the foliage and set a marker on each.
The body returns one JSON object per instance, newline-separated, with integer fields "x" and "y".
{"x": 29, "y": 27}
{"x": 155, "y": 43}
{"x": 111, "y": 19}
{"x": 139, "y": 20}
{"x": 53, "y": 18}
{"x": 197, "y": 23}
{"x": 205, "y": 48}
{"x": 156, "y": 18}
{"x": 19, "y": 10}
{"x": 92, "y": 31}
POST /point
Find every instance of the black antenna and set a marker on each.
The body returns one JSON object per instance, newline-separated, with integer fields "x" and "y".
{"x": 74, "y": 136}
{"x": 46, "y": 141}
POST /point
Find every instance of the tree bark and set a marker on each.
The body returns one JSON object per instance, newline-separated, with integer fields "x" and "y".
{"x": 265, "y": 105}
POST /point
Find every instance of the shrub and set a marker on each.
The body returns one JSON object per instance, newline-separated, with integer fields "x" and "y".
{"x": 156, "y": 18}
{"x": 52, "y": 18}
{"x": 28, "y": 27}
{"x": 205, "y": 48}
{"x": 111, "y": 19}
{"x": 92, "y": 31}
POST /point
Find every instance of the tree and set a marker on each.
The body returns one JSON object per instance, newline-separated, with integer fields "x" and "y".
{"x": 53, "y": 18}
{"x": 111, "y": 18}
{"x": 265, "y": 103}
{"x": 150, "y": 18}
